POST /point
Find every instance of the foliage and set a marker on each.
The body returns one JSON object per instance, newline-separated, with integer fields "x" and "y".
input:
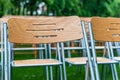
{"x": 61, "y": 7}
{"x": 113, "y": 7}
{"x": 5, "y": 6}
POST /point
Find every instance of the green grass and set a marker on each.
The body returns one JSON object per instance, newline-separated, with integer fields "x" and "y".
{"x": 38, "y": 73}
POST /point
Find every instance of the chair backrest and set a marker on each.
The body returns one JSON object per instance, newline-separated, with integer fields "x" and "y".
{"x": 106, "y": 29}
{"x": 44, "y": 30}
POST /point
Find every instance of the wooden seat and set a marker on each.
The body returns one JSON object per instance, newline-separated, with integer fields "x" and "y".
{"x": 77, "y": 60}
{"x": 117, "y": 58}
{"x": 83, "y": 60}
{"x": 36, "y": 62}
{"x": 102, "y": 60}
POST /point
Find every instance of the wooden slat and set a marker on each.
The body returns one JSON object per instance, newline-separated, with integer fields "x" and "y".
{"x": 35, "y": 62}
{"x": 103, "y": 60}
{"x": 117, "y": 58}
{"x": 83, "y": 60}
{"x": 44, "y": 30}
{"x": 77, "y": 60}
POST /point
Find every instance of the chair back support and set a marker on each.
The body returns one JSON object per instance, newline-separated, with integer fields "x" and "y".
{"x": 44, "y": 30}
{"x": 86, "y": 20}
{"x": 106, "y": 29}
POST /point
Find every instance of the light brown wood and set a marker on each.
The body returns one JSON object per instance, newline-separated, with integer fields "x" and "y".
{"x": 77, "y": 60}
{"x": 117, "y": 58}
{"x": 36, "y": 62}
{"x": 83, "y": 60}
{"x": 44, "y": 30}
{"x": 103, "y": 60}
{"x": 86, "y": 19}
{"x": 106, "y": 29}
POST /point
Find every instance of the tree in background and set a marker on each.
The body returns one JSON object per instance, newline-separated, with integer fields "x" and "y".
{"x": 112, "y": 7}
{"x": 5, "y": 6}
{"x": 61, "y": 7}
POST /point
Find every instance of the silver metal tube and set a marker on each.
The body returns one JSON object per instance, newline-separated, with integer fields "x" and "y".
{"x": 63, "y": 61}
{"x": 68, "y": 51}
{"x": 7, "y": 77}
{"x": 50, "y": 53}
{"x": 2, "y": 52}
{"x": 88, "y": 51}
{"x": 41, "y": 51}
{"x": 113, "y": 65}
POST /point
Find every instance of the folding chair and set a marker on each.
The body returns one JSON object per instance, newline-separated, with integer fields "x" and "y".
{"x": 83, "y": 60}
{"x": 40, "y": 31}
{"x": 106, "y": 30}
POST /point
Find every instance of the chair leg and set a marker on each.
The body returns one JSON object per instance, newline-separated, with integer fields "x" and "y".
{"x": 89, "y": 68}
{"x": 115, "y": 72}
{"x": 87, "y": 71}
{"x": 51, "y": 73}
{"x": 64, "y": 71}
{"x": 7, "y": 73}
{"x": 61, "y": 76}
{"x": 2, "y": 67}
{"x": 113, "y": 77}
{"x": 63, "y": 59}
{"x": 47, "y": 73}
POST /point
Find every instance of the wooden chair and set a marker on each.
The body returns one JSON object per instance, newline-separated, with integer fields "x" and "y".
{"x": 81, "y": 60}
{"x": 41, "y": 31}
{"x": 105, "y": 30}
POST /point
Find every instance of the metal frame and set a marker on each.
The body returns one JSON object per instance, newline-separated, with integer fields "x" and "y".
{"x": 90, "y": 61}
{"x": 95, "y": 63}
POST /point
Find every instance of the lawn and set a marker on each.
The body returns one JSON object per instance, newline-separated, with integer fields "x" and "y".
{"x": 38, "y": 73}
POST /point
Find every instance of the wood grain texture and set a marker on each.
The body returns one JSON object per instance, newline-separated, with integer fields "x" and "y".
{"x": 36, "y": 62}
{"x": 44, "y": 30}
{"x": 106, "y": 29}
{"x": 83, "y": 60}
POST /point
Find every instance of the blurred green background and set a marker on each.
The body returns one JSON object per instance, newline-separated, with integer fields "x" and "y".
{"x": 84, "y": 8}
